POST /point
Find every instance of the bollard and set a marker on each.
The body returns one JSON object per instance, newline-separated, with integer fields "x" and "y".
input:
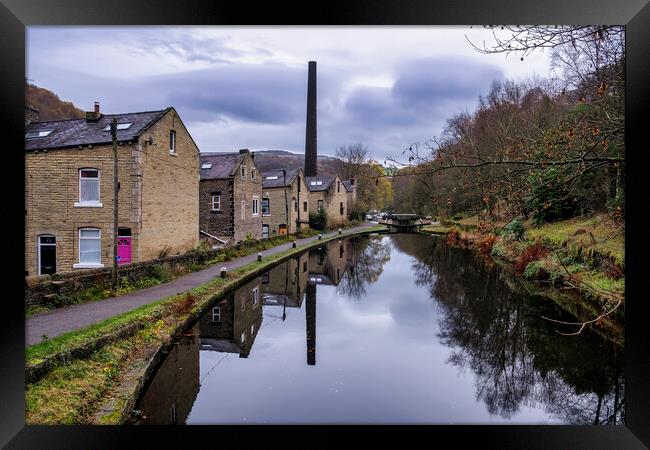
{"x": 259, "y": 256}
{"x": 340, "y": 231}
{"x": 224, "y": 271}
{"x": 320, "y": 236}
{"x": 293, "y": 244}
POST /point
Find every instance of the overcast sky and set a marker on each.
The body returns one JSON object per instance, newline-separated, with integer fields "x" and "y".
{"x": 246, "y": 87}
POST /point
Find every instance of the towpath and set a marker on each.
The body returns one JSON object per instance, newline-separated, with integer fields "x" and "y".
{"x": 63, "y": 320}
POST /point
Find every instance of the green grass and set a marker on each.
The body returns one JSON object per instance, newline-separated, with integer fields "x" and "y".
{"x": 609, "y": 240}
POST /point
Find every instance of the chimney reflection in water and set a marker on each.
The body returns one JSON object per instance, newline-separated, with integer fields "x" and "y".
{"x": 310, "y": 314}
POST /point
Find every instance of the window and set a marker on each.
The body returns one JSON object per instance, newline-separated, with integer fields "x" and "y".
{"x": 320, "y": 205}
{"x": 341, "y": 208}
{"x": 253, "y": 174}
{"x": 243, "y": 172}
{"x": 304, "y": 206}
{"x": 265, "y": 231}
{"x": 216, "y": 202}
{"x": 216, "y": 314}
{"x": 206, "y": 166}
{"x": 88, "y": 188}
{"x": 338, "y": 186}
{"x": 295, "y": 206}
{"x": 256, "y": 206}
{"x": 252, "y": 329}
{"x": 316, "y": 183}
{"x": 243, "y": 337}
{"x": 256, "y": 295}
{"x": 89, "y": 248}
{"x": 172, "y": 142}
{"x": 120, "y": 126}
{"x": 271, "y": 177}
{"x": 341, "y": 252}
{"x": 266, "y": 207}
{"x": 243, "y": 304}
{"x": 37, "y": 134}
{"x": 243, "y": 209}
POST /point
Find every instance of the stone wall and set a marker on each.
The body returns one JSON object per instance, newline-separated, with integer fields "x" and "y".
{"x": 52, "y": 189}
{"x": 218, "y": 223}
{"x": 332, "y": 199}
{"x": 40, "y": 289}
{"x": 245, "y": 190}
{"x": 278, "y": 213}
{"x": 170, "y": 187}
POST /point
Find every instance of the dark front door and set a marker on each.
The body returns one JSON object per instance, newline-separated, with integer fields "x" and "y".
{"x": 47, "y": 255}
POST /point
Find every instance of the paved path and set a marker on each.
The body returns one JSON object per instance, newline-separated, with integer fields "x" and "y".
{"x": 74, "y": 317}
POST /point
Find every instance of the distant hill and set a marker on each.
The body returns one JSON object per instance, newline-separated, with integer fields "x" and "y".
{"x": 277, "y": 159}
{"x": 49, "y": 105}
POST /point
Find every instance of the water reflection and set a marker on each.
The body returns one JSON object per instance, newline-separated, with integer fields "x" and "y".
{"x": 517, "y": 358}
{"x": 426, "y": 309}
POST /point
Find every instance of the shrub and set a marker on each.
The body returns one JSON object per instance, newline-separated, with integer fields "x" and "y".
{"x": 159, "y": 272}
{"x": 318, "y": 221}
{"x": 515, "y": 229}
{"x": 535, "y": 271}
{"x": 486, "y": 244}
{"x": 549, "y": 199}
{"x": 453, "y": 237}
{"x": 498, "y": 250}
{"x": 534, "y": 252}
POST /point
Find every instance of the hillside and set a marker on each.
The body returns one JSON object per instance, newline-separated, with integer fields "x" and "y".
{"x": 276, "y": 159}
{"x": 49, "y": 105}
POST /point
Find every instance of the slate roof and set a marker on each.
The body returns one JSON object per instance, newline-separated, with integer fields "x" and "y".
{"x": 348, "y": 185}
{"x": 223, "y": 165}
{"x": 76, "y": 132}
{"x": 325, "y": 183}
{"x": 291, "y": 174}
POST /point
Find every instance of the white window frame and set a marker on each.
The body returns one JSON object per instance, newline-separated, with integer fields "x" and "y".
{"x": 267, "y": 231}
{"x": 252, "y": 329}
{"x": 268, "y": 200}
{"x": 243, "y": 304}
{"x": 86, "y": 265}
{"x": 218, "y": 198}
{"x": 172, "y": 142}
{"x": 243, "y": 337}
{"x": 256, "y": 295}
{"x": 243, "y": 172}
{"x": 321, "y": 205}
{"x": 256, "y": 206}
{"x": 216, "y": 310}
{"x": 89, "y": 203}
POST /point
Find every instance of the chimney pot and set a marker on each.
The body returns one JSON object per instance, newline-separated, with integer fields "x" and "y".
{"x": 96, "y": 107}
{"x": 243, "y": 150}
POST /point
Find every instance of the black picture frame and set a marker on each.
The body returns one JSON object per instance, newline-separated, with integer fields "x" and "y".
{"x": 15, "y": 15}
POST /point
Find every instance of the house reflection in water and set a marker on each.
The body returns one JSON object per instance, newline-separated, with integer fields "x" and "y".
{"x": 169, "y": 397}
{"x": 232, "y": 323}
{"x": 284, "y": 285}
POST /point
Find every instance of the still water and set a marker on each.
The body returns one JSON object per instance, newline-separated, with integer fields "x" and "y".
{"x": 385, "y": 329}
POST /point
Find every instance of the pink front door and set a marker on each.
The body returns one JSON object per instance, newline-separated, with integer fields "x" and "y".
{"x": 123, "y": 250}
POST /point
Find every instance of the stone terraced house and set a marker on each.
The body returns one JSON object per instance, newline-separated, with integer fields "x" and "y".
{"x": 330, "y": 194}
{"x": 69, "y": 190}
{"x": 230, "y": 196}
{"x": 285, "y": 202}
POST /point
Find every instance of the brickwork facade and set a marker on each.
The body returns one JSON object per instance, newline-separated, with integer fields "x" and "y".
{"x": 158, "y": 202}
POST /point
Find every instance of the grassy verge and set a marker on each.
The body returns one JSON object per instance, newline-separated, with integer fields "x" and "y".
{"x": 79, "y": 390}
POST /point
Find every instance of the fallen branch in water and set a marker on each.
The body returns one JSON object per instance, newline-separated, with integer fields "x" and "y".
{"x": 597, "y": 320}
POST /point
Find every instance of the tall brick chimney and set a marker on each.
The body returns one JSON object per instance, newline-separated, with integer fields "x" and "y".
{"x": 311, "y": 153}
{"x": 31, "y": 114}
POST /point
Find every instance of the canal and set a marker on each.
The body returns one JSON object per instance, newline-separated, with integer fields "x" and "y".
{"x": 384, "y": 329}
